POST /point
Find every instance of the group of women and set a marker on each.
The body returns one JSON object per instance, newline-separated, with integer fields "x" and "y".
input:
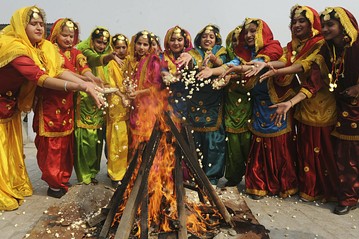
{"x": 285, "y": 119}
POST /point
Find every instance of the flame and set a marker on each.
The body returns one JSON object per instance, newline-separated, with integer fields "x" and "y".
{"x": 162, "y": 204}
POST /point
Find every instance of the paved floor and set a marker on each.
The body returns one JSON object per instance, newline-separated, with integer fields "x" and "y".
{"x": 289, "y": 218}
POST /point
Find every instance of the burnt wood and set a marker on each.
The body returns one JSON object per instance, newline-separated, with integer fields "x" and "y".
{"x": 125, "y": 225}
{"x": 198, "y": 173}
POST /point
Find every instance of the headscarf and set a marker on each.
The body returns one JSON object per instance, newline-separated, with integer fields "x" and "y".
{"x": 209, "y": 27}
{"x": 87, "y": 46}
{"x": 346, "y": 19}
{"x": 56, "y": 31}
{"x": 156, "y": 38}
{"x": 168, "y": 53}
{"x": 229, "y": 41}
{"x": 350, "y": 28}
{"x": 119, "y": 37}
{"x": 57, "y": 28}
{"x": 14, "y": 42}
{"x": 312, "y": 45}
{"x": 96, "y": 33}
{"x": 265, "y": 46}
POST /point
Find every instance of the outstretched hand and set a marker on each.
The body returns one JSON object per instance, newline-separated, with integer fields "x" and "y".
{"x": 257, "y": 66}
{"x": 205, "y": 73}
{"x": 281, "y": 111}
{"x": 184, "y": 59}
{"x": 94, "y": 91}
{"x": 268, "y": 74}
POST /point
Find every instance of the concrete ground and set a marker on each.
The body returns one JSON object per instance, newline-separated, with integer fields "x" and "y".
{"x": 289, "y": 218}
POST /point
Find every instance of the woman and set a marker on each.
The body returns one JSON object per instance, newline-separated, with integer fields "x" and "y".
{"x": 142, "y": 75}
{"x": 54, "y": 134}
{"x": 315, "y": 112}
{"x": 156, "y": 46}
{"x": 120, "y": 45}
{"x": 205, "y": 104}
{"x": 270, "y": 166}
{"x": 177, "y": 41}
{"x": 28, "y": 60}
{"x": 117, "y": 114}
{"x": 339, "y": 57}
{"x": 88, "y": 119}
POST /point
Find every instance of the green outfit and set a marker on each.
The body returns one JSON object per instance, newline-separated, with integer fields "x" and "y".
{"x": 237, "y": 112}
{"x": 89, "y": 120}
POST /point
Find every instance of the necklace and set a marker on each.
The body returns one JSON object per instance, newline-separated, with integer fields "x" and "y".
{"x": 336, "y": 71}
{"x": 297, "y": 49}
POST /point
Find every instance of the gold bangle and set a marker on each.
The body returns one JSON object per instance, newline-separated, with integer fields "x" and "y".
{"x": 291, "y": 103}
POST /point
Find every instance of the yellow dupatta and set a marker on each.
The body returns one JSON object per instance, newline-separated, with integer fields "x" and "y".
{"x": 14, "y": 42}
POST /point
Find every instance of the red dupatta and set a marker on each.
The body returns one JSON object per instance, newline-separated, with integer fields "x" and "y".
{"x": 312, "y": 43}
{"x": 265, "y": 46}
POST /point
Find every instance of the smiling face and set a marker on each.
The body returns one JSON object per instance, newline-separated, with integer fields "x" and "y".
{"x": 332, "y": 30}
{"x": 35, "y": 30}
{"x": 155, "y": 46}
{"x": 142, "y": 46}
{"x": 300, "y": 27}
{"x": 250, "y": 34}
{"x": 65, "y": 39}
{"x": 99, "y": 44}
{"x": 208, "y": 40}
{"x": 176, "y": 43}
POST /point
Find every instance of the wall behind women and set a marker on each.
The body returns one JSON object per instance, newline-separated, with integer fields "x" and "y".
{"x": 129, "y": 17}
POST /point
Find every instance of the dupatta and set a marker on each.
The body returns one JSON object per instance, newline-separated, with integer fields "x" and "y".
{"x": 14, "y": 43}
{"x": 168, "y": 55}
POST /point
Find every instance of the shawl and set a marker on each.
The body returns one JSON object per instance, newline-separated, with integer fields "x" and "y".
{"x": 14, "y": 42}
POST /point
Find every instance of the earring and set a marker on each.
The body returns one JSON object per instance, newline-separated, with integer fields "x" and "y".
{"x": 346, "y": 39}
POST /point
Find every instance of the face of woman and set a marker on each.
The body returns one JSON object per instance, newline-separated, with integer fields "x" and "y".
{"x": 65, "y": 39}
{"x": 155, "y": 46}
{"x": 35, "y": 30}
{"x": 250, "y": 34}
{"x": 99, "y": 44}
{"x": 121, "y": 49}
{"x": 235, "y": 41}
{"x": 142, "y": 46}
{"x": 208, "y": 40}
{"x": 331, "y": 30}
{"x": 301, "y": 27}
{"x": 176, "y": 43}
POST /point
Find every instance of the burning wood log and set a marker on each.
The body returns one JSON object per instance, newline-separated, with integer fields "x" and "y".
{"x": 198, "y": 173}
{"x": 144, "y": 212}
{"x": 128, "y": 216}
{"x": 118, "y": 195}
{"x": 180, "y": 192}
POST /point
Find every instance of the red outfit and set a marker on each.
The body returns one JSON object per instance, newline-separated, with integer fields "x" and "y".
{"x": 270, "y": 166}
{"x": 346, "y": 132}
{"x": 54, "y": 125}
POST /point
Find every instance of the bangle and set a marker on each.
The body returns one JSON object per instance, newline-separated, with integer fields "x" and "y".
{"x": 65, "y": 86}
{"x": 291, "y": 103}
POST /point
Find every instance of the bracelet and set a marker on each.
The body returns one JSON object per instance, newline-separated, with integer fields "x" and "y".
{"x": 65, "y": 86}
{"x": 291, "y": 103}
